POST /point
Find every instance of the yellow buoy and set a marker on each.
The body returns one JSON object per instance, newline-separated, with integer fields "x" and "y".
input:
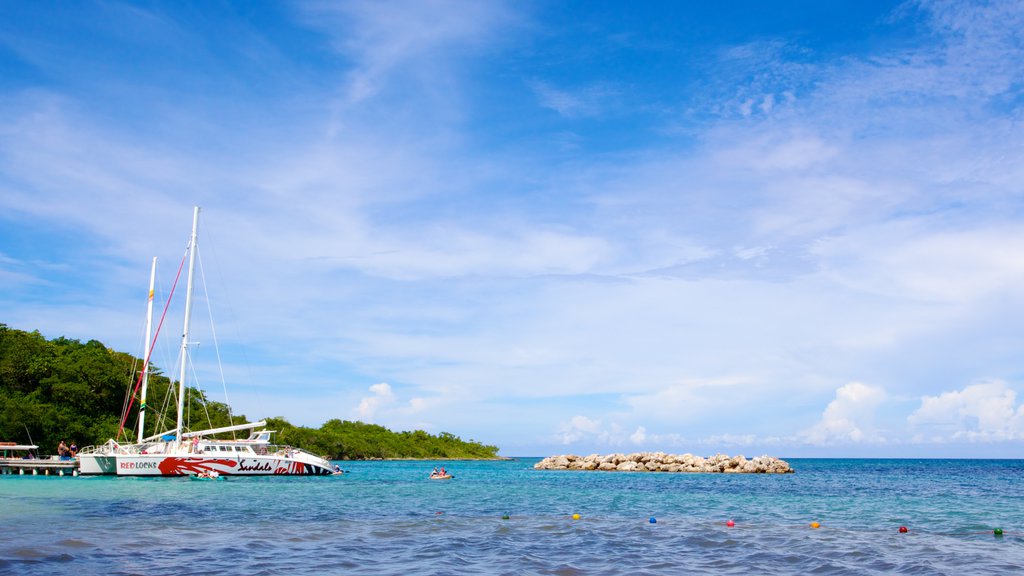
{"x": 815, "y": 525}
{"x": 575, "y": 516}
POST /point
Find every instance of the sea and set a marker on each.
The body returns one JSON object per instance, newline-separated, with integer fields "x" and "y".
{"x": 504, "y": 517}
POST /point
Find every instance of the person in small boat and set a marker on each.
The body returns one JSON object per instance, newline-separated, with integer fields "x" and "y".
{"x": 435, "y": 473}
{"x": 337, "y": 469}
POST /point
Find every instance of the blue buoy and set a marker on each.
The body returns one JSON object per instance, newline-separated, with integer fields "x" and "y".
{"x": 653, "y": 520}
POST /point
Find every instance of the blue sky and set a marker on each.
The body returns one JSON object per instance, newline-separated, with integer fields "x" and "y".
{"x": 793, "y": 228}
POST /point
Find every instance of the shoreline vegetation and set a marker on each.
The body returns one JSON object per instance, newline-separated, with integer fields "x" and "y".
{"x": 662, "y": 462}
{"x": 63, "y": 389}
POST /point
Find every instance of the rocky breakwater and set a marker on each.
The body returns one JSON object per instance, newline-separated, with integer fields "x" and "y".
{"x": 661, "y": 462}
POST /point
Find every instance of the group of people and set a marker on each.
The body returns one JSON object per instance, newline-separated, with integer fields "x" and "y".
{"x": 438, "y": 473}
{"x": 66, "y": 452}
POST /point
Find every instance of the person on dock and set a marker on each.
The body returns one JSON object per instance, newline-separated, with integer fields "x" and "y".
{"x": 73, "y": 450}
{"x": 62, "y": 450}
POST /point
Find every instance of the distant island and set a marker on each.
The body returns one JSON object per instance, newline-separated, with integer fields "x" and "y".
{"x": 63, "y": 389}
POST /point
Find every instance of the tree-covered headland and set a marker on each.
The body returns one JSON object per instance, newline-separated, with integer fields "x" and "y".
{"x": 63, "y": 389}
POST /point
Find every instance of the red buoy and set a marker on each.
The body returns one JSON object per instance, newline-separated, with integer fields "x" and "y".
{"x": 903, "y": 530}
{"x": 730, "y": 523}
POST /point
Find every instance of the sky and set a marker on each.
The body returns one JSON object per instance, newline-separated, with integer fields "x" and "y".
{"x": 792, "y": 228}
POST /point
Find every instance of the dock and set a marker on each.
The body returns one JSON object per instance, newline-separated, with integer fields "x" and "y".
{"x": 11, "y": 463}
{"x": 52, "y": 466}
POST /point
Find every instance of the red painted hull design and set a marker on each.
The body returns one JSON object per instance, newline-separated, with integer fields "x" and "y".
{"x": 169, "y": 465}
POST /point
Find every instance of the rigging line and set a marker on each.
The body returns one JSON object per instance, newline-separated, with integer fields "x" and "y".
{"x": 233, "y": 316}
{"x": 195, "y": 392}
{"x": 131, "y": 376}
{"x": 170, "y": 394}
{"x": 155, "y": 335}
{"x": 216, "y": 344}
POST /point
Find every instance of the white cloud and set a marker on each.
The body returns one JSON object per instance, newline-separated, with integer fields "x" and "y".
{"x": 369, "y": 405}
{"x": 849, "y": 418}
{"x": 986, "y": 411}
{"x": 589, "y": 101}
{"x": 639, "y": 436}
{"x": 591, "y": 432}
{"x": 577, "y": 428}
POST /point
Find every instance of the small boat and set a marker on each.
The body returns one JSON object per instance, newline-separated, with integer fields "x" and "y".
{"x": 206, "y": 475}
{"x": 440, "y": 477}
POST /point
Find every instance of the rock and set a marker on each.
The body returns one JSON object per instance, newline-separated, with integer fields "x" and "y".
{"x": 662, "y": 462}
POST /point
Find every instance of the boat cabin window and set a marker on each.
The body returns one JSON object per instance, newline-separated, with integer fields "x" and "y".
{"x": 261, "y": 436}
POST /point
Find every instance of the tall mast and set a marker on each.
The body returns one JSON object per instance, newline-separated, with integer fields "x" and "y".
{"x": 188, "y": 321}
{"x": 146, "y": 352}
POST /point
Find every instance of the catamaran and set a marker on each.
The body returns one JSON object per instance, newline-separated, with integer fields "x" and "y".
{"x": 180, "y": 452}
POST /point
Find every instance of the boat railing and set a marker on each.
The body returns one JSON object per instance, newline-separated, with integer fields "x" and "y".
{"x": 109, "y": 449}
{"x": 283, "y": 450}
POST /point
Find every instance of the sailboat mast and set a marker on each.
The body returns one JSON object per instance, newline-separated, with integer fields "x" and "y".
{"x": 146, "y": 352}
{"x": 188, "y": 322}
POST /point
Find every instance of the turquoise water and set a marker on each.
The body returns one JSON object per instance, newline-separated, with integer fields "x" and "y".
{"x": 387, "y": 518}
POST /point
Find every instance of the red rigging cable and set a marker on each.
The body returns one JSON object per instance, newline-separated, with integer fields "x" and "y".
{"x": 152, "y": 345}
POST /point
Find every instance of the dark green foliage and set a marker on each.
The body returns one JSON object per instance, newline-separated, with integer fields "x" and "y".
{"x": 345, "y": 440}
{"x": 65, "y": 390}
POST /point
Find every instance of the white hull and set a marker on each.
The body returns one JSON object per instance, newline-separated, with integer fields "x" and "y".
{"x": 97, "y": 464}
{"x": 241, "y": 465}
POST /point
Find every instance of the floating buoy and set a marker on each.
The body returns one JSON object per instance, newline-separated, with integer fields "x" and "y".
{"x": 438, "y": 513}
{"x": 575, "y": 516}
{"x": 998, "y": 532}
{"x": 653, "y": 520}
{"x": 504, "y": 516}
{"x": 903, "y": 530}
{"x": 730, "y": 523}
{"x": 815, "y": 525}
